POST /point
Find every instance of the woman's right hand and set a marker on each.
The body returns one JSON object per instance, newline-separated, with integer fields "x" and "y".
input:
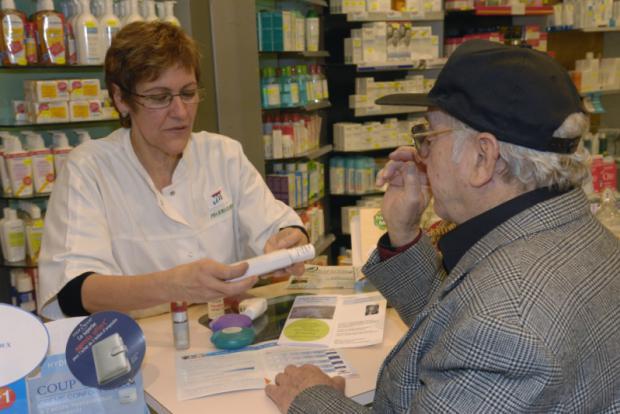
{"x": 406, "y": 197}
{"x": 205, "y": 280}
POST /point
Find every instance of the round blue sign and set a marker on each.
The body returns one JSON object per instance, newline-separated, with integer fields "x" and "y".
{"x": 105, "y": 350}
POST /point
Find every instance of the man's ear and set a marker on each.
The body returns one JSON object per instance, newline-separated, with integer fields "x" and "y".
{"x": 484, "y": 168}
{"x": 117, "y": 97}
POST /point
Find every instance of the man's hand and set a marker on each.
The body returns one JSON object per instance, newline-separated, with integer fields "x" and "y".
{"x": 294, "y": 380}
{"x": 406, "y": 197}
{"x": 285, "y": 239}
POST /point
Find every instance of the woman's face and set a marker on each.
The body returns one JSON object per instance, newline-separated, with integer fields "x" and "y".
{"x": 164, "y": 131}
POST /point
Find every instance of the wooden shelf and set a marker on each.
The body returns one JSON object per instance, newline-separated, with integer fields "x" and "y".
{"x": 394, "y": 16}
{"x": 309, "y": 155}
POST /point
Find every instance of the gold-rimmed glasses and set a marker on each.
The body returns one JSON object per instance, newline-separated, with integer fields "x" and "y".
{"x": 420, "y": 134}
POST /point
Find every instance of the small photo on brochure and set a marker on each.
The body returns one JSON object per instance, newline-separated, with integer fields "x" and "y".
{"x": 314, "y": 312}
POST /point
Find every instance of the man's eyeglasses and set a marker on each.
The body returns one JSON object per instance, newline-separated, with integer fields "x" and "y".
{"x": 420, "y": 134}
{"x": 163, "y": 100}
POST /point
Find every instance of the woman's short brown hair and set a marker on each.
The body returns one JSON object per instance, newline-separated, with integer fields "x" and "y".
{"x": 141, "y": 52}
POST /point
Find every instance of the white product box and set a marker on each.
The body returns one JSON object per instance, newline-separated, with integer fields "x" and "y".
{"x": 84, "y": 89}
{"x": 48, "y": 112}
{"x": 46, "y": 90}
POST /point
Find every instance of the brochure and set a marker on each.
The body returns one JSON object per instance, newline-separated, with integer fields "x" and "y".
{"x": 335, "y": 321}
{"x": 252, "y": 367}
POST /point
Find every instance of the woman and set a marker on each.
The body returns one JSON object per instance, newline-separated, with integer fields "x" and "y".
{"x": 153, "y": 200}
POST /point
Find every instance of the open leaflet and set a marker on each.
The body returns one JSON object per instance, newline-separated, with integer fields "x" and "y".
{"x": 335, "y": 321}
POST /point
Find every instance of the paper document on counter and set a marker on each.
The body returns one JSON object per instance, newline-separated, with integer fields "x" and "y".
{"x": 202, "y": 374}
{"x": 335, "y": 321}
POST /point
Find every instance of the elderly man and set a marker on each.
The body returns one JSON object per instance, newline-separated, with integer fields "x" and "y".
{"x": 521, "y": 311}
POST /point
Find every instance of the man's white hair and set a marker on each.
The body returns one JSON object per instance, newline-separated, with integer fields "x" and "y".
{"x": 532, "y": 168}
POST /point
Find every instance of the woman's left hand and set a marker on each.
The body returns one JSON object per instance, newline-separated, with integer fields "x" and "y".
{"x": 285, "y": 239}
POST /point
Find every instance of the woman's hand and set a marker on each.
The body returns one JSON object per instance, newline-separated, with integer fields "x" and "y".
{"x": 406, "y": 197}
{"x": 294, "y": 380}
{"x": 284, "y": 239}
{"x": 205, "y": 280}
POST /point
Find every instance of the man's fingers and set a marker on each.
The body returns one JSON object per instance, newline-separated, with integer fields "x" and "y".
{"x": 339, "y": 382}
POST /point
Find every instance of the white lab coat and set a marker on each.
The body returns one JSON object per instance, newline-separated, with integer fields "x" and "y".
{"x": 106, "y": 216}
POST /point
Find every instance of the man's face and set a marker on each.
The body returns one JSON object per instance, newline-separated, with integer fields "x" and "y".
{"x": 446, "y": 176}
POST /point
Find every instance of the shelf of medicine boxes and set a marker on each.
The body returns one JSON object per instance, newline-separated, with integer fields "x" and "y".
{"x": 60, "y": 68}
{"x": 321, "y": 3}
{"x": 387, "y": 110}
{"x": 312, "y": 154}
{"x": 603, "y": 29}
{"x": 312, "y": 106}
{"x": 394, "y": 16}
{"x": 421, "y": 64}
{"x": 12, "y": 123}
{"x": 298, "y": 53}
{"x": 601, "y": 92}
{"x": 506, "y": 10}
{"x": 323, "y": 243}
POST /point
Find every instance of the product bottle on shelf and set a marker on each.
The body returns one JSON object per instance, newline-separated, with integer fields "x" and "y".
{"x": 87, "y": 36}
{"x": 271, "y": 88}
{"x": 50, "y": 31}
{"x": 31, "y": 44}
{"x": 83, "y": 135}
{"x": 5, "y": 216}
{"x": 151, "y": 13}
{"x": 25, "y": 292}
{"x": 13, "y": 237}
{"x": 317, "y": 83}
{"x": 4, "y": 174}
{"x": 299, "y": 80}
{"x": 13, "y": 30}
{"x": 34, "y": 233}
{"x": 289, "y": 91}
{"x": 70, "y": 45}
{"x": 312, "y": 31}
{"x": 110, "y": 24}
{"x": 19, "y": 167}
{"x": 169, "y": 13}
{"x": 60, "y": 150}
{"x": 42, "y": 164}
{"x": 133, "y": 15}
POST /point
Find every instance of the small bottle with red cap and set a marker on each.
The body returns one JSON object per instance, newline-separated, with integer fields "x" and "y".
{"x": 180, "y": 325}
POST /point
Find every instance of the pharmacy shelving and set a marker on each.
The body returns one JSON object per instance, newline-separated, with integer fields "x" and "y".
{"x": 394, "y": 16}
{"x": 601, "y": 92}
{"x": 309, "y": 107}
{"x": 297, "y": 53}
{"x": 322, "y": 3}
{"x": 11, "y": 123}
{"x": 421, "y": 64}
{"x": 312, "y": 154}
{"x": 517, "y": 10}
{"x": 387, "y": 110}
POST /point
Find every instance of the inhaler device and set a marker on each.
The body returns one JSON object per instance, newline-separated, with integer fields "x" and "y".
{"x": 279, "y": 259}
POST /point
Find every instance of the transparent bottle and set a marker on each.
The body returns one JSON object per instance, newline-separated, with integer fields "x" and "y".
{"x": 608, "y": 213}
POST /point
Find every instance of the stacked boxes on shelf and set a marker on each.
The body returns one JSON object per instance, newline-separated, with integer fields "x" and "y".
{"x": 297, "y": 184}
{"x": 290, "y": 134}
{"x": 287, "y": 31}
{"x": 586, "y": 14}
{"x": 390, "y": 42}
{"x": 63, "y": 100}
{"x": 353, "y": 136}
{"x": 367, "y": 90}
{"x": 360, "y": 6}
{"x": 591, "y": 75}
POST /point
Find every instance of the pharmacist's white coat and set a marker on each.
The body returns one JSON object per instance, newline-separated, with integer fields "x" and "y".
{"x": 106, "y": 216}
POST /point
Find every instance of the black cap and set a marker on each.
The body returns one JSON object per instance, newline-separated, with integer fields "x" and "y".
{"x": 519, "y": 95}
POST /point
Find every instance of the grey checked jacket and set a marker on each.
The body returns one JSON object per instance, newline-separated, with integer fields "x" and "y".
{"x": 527, "y": 322}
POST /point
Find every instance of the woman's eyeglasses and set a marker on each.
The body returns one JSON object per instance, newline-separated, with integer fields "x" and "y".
{"x": 163, "y": 100}
{"x": 420, "y": 134}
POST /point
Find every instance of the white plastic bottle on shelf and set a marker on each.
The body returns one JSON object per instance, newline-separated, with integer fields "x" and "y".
{"x": 13, "y": 237}
{"x": 60, "y": 150}
{"x": 42, "y": 164}
{"x": 25, "y": 292}
{"x": 312, "y": 31}
{"x": 4, "y": 174}
{"x": 110, "y": 24}
{"x": 5, "y": 215}
{"x": 83, "y": 135}
{"x": 151, "y": 13}
{"x": 34, "y": 233}
{"x": 87, "y": 36}
{"x": 169, "y": 13}
{"x": 19, "y": 167}
{"x": 133, "y": 14}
